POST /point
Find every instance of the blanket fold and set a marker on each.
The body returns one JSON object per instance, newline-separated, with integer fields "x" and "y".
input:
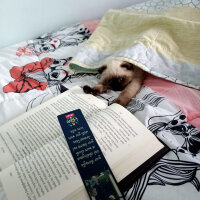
{"x": 165, "y": 44}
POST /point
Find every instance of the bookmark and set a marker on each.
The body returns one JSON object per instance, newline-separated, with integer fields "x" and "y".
{"x": 94, "y": 170}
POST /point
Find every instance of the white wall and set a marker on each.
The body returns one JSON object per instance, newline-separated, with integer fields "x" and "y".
{"x": 25, "y": 19}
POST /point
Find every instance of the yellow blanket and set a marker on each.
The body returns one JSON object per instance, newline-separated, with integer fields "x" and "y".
{"x": 166, "y": 44}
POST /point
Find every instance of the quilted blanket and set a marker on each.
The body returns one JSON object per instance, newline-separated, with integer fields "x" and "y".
{"x": 165, "y": 44}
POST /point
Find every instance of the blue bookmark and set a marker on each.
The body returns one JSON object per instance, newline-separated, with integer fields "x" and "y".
{"x": 95, "y": 172}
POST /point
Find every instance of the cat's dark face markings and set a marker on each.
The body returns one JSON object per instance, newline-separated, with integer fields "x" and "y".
{"x": 119, "y": 78}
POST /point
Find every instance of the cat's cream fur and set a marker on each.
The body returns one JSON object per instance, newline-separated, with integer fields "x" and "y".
{"x": 119, "y": 76}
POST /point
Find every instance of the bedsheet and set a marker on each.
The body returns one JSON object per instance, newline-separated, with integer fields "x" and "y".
{"x": 36, "y": 70}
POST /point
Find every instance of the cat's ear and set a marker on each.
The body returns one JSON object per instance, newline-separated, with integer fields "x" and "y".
{"x": 102, "y": 68}
{"x": 127, "y": 65}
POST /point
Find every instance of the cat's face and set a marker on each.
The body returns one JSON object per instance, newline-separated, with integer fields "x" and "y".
{"x": 116, "y": 74}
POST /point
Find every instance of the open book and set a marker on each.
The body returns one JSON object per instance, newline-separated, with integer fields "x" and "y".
{"x": 35, "y": 160}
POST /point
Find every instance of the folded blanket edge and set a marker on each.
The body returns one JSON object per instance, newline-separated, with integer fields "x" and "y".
{"x": 76, "y": 66}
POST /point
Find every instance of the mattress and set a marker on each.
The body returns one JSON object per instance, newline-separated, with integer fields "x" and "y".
{"x": 36, "y": 70}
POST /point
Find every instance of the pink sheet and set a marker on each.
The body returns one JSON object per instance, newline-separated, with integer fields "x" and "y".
{"x": 187, "y": 99}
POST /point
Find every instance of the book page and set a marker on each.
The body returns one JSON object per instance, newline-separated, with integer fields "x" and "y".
{"x": 48, "y": 173}
{"x": 32, "y": 130}
{"x": 35, "y": 159}
{"x": 124, "y": 140}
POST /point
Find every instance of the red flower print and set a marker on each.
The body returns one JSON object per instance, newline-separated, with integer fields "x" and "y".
{"x": 24, "y": 86}
{"x": 24, "y": 51}
{"x": 24, "y": 80}
{"x": 46, "y": 62}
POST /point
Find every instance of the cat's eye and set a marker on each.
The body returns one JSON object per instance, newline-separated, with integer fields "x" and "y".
{"x": 121, "y": 79}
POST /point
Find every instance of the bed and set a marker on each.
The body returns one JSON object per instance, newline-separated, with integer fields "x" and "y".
{"x": 36, "y": 70}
